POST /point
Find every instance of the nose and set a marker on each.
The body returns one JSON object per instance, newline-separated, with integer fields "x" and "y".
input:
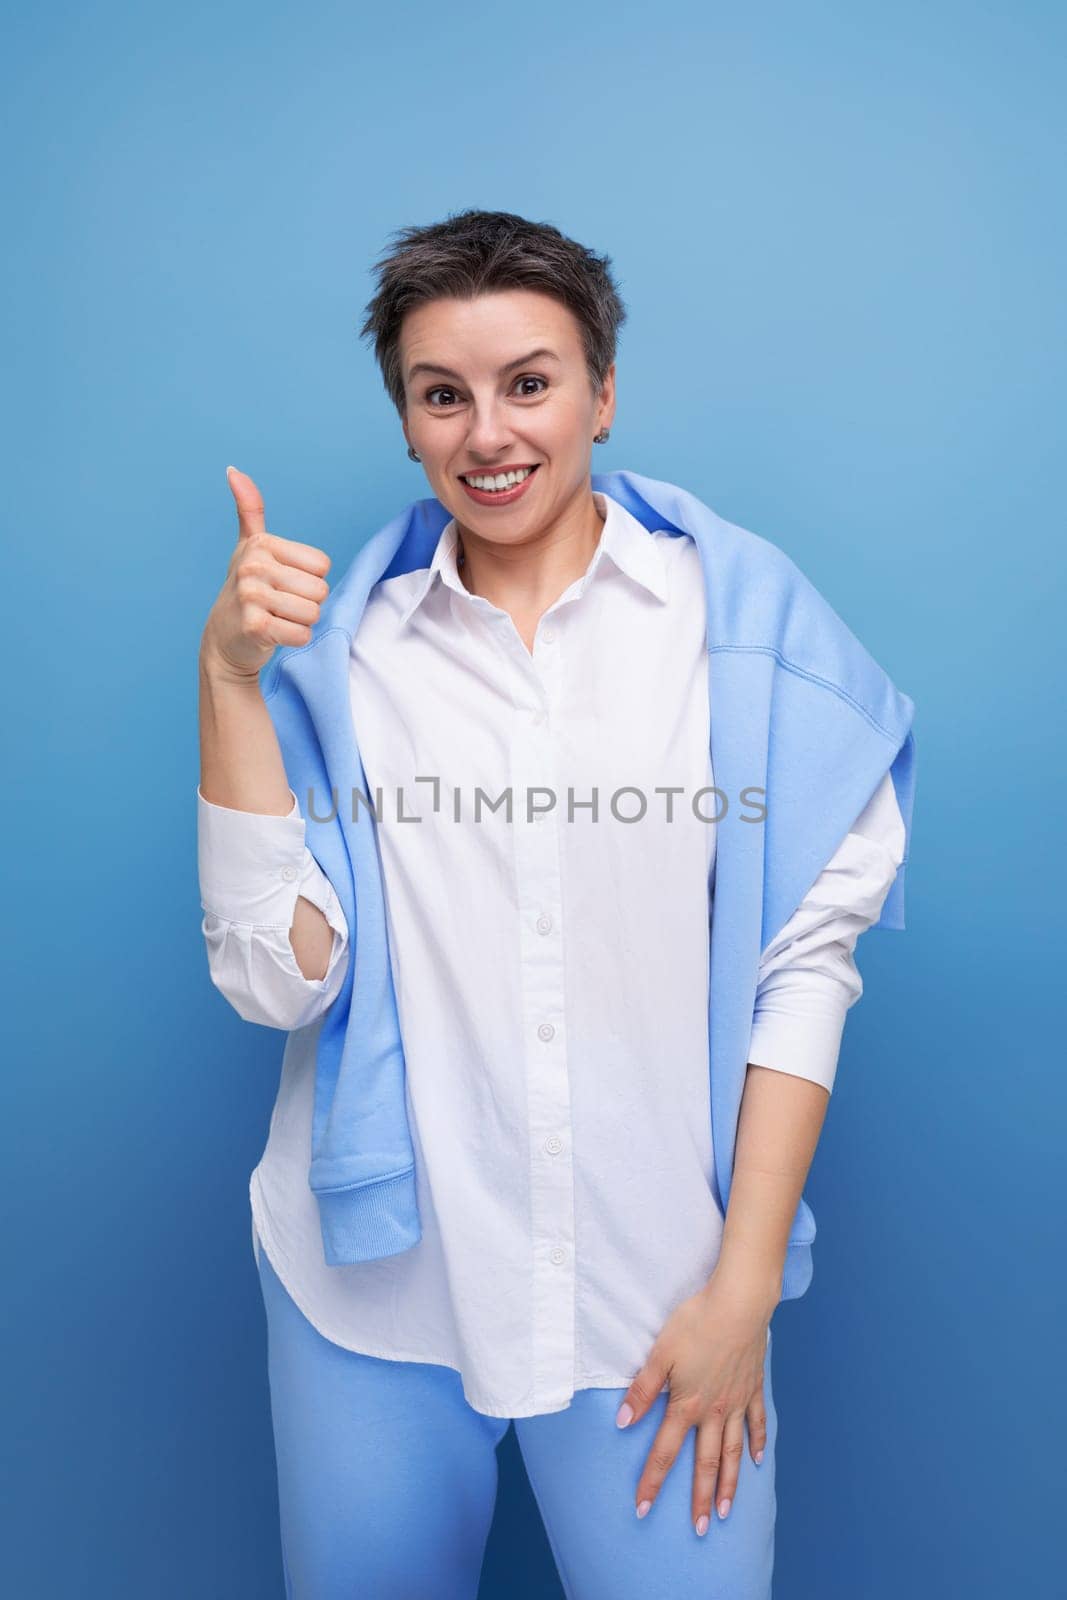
{"x": 489, "y": 433}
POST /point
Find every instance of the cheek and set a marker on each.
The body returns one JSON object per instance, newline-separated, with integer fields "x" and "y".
{"x": 565, "y": 431}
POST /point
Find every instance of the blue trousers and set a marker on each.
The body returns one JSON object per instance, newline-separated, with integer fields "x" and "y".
{"x": 387, "y": 1480}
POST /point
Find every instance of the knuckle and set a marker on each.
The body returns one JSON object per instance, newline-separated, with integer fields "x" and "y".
{"x": 659, "y": 1460}
{"x": 732, "y": 1451}
{"x": 640, "y": 1392}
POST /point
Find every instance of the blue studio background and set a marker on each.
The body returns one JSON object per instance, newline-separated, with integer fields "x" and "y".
{"x": 839, "y": 232}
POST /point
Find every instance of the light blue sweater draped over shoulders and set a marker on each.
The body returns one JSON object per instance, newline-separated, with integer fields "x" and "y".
{"x": 802, "y": 718}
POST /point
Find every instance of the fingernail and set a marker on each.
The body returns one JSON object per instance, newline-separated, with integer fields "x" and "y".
{"x": 702, "y": 1525}
{"x": 624, "y": 1414}
{"x": 759, "y": 1456}
{"x": 644, "y": 1508}
{"x": 724, "y": 1506}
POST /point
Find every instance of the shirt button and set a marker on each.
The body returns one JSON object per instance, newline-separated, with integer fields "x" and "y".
{"x": 548, "y": 634}
{"x": 554, "y": 1144}
{"x": 288, "y": 873}
{"x": 544, "y": 924}
{"x": 558, "y": 1255}
{"x": 545, "y": 1031}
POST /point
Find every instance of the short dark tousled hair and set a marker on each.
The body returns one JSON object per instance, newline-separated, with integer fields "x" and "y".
{"x": 475, "y": 252}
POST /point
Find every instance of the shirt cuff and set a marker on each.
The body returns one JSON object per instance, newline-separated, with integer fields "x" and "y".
{"x": 798, "y": 1024}
{"x": 250, "y": 864}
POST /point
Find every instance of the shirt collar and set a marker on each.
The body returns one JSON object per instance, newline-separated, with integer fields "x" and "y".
{"x": 623, "y": 540}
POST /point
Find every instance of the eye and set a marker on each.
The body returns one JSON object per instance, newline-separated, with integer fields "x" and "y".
{"x": 529, "y": 377}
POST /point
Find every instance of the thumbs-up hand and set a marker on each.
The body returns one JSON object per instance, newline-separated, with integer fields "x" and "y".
{"x": 272, "y": 595}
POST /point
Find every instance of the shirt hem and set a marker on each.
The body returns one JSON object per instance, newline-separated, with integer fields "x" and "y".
{"x": 283, "y": 1266}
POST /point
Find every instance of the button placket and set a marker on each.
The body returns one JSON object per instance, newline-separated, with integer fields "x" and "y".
{"x": 538, "y": 883}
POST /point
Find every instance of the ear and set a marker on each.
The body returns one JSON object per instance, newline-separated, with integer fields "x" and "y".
{"x": 606, "y": 414}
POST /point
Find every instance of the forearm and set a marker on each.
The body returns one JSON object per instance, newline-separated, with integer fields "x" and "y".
{"x": 241, "y": 767}
{"x": 780, "y": 1120}
{"x": 240, "y": 759}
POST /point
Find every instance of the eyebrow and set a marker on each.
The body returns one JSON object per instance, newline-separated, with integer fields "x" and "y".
{"x": 520, "y": 361}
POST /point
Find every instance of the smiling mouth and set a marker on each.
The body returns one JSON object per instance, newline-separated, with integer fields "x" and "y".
{"x": 527, "y": 472}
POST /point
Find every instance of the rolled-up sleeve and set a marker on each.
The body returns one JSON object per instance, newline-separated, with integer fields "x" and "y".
{"x": 808, "y": 976}
{"x": 253, "y": 868}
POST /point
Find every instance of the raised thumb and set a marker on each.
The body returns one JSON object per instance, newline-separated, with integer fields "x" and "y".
{"x": 250, "y": 513}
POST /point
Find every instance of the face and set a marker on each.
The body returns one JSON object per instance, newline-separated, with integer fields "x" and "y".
{"x": 480, "y": 401}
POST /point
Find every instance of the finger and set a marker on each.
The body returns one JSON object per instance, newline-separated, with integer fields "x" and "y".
{"x": 757, "y": 1426}
{"x": 260, "y": 567}
{"x": 303, "y": 557}
{"x": 279, "y": 603}
{"x": 677, "y": 1421}
{"x": 643, "y": 1390}
{"x": 274, "y": 630}
{"x": 733, "y": 1448}
{"x": 250, "y": 514}
{"x": 706, "y": 1471}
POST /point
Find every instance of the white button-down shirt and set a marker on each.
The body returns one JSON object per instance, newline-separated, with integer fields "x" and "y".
{"x": 550, "y": 966}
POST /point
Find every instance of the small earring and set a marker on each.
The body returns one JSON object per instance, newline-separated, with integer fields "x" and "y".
{"x": 413, "y": 453}
{"x": 602, "y": 437}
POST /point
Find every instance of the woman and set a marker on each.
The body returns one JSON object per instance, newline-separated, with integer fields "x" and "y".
{"x": 562, "y": 1027}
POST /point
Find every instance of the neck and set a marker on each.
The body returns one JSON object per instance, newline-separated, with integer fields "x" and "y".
{"x": 527, "y": 578}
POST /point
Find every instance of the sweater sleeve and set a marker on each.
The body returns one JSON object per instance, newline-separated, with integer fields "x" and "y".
{"x": 808, "y": 978}
{"x": 252, "y": 870}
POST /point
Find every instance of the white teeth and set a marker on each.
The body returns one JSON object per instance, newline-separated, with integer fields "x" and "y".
{"x": 502, "y": 480}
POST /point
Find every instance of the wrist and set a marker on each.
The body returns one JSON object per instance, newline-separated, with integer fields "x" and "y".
{"x": 216, "y": 671}
{"x": 758, "y": 1282}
